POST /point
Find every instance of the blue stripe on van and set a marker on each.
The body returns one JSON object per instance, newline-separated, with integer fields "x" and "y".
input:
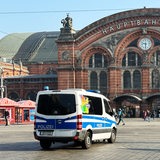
{"x": 96, "y": 121}
{"x": 70, "y": 123}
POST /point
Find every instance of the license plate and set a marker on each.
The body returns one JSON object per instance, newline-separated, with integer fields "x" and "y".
{"x": 46, "y": 133}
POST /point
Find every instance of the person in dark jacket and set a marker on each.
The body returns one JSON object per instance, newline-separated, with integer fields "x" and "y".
{"x": 6, "y": 116}
{"x": 120, "y": 116}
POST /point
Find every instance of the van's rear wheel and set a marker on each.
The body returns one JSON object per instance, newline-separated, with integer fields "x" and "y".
{"x": 112, "y": 139}
{"x": 45, "y": 144}
{"x": 87, "y": 142}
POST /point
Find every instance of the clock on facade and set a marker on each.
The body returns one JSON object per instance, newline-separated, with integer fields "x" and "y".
{"x": 145, "y": 43}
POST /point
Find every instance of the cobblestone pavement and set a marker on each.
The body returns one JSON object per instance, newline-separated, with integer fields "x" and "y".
{"x": 137, "y": 140}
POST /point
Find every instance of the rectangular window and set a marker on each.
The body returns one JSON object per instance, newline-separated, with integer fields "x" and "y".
{"x": 26, "y": 115}
{"x": 107, "y": 107}
{"x": 131, "y": 59}
{"x": 93, "y": 105}
{"x": 2, "y": 113}
{"x": 56, "y": 104}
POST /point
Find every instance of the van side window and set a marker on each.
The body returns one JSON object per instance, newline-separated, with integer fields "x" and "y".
{"x": 107, "y": 107}
{"x": 91, "y": 105}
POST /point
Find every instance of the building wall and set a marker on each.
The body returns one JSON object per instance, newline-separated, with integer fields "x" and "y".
{"x": 12, "y": 69}
{"x": 42, "y": 68}
{"x": 114, "y": 39}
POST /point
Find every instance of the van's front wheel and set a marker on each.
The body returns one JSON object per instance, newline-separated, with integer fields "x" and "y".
{"x": 87, "y": 142}
{"x": 45, "y": 144}
{"x": 112, "y": 139}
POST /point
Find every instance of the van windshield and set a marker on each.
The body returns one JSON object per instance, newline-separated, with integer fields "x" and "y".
{"x": 56, "y": 104}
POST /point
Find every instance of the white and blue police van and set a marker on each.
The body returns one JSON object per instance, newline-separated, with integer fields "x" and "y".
{"x": 74, "y": 115}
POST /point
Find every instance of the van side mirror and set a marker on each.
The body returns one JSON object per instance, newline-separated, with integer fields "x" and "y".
{"x": 111, "y": 113}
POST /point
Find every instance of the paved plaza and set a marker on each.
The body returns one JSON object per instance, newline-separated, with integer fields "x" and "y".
{"x": 137, "y": 140}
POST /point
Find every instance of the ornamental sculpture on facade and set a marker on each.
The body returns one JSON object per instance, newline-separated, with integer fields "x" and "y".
{"x": 67, "y": 22}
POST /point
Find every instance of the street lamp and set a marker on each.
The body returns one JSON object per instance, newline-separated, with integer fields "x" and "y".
{"x": 2, "y": 87}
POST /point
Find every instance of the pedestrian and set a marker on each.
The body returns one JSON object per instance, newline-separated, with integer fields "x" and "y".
{"x": 153, "y": 113}
{"x": 6, "y": 116}
{"x": 144, "y": 114}
{"x": 120, "y": 116}
{"x": 148, "y": 115}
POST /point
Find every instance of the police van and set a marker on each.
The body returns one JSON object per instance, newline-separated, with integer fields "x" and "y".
{"x": 74, "y": 115}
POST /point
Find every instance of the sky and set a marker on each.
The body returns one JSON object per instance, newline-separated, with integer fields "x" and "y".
{"x": 23, "y": 16}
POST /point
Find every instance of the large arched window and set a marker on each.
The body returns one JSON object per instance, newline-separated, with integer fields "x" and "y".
{"x": 98, "y": 61}
{"x": 155, "y": 60}
{"x": 131, "y": 59}
{"x": 155, "y": 79}
{"x": 93, "y": 80}
{"x": 103, "y": 82}
{"x": 14, "y": 96}
{"x": 136, "y": 79}
{"x": 126, "y": 80}
{"x": 98, "y": 72}
{"x": 131, "y": 63}
{"x": 31, "y": 96}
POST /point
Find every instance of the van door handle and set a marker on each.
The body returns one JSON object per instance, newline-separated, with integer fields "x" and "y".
{"x": 59, "y": 121}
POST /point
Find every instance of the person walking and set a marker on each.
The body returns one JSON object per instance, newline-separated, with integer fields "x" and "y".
{"x": 6, "y": 115}
{"x": 120, "y": 116}
{"x": 148, "y": 115}
{"x": 144, "y": 114}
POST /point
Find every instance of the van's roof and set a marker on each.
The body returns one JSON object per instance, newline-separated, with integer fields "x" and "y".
{"x": 74, "y": 90}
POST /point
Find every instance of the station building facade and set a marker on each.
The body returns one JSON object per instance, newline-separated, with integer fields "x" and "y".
{"x": 118, "y": 55}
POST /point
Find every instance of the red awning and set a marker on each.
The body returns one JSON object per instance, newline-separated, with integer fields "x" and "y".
{"x": 26, "y": 104}
{"x": 7, "y": 102}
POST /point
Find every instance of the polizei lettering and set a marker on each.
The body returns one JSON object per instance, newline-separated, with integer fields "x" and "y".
{"x": 45, "y": 127}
